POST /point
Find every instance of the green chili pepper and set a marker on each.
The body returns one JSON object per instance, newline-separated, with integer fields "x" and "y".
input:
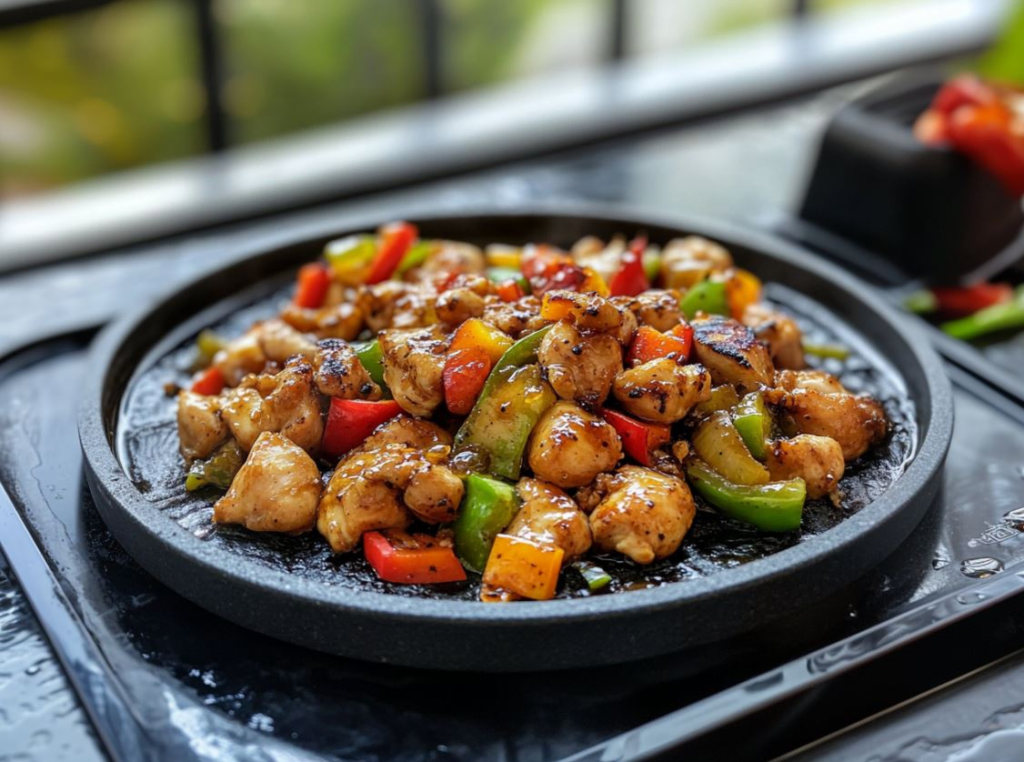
{"x": 998, "y": 317}
{"x": 218, "y": 470}
{"x": 652, "y": 265}
{"x": 346, "y": 255}
{"x": 372, "y": 358}
{"x": 834, "y": 351}
{"x": 595, "y": 577}
{"x": 502, "y": 274}
{"x": 707, "y": 296}
{"x": 773, "y": 507}
{"x": 488, "y": 507}
{"x": 415, "y": 257}
{"x": 754, "y": 423}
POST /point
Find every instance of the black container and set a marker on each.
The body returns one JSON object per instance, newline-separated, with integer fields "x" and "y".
{"x": 929, "y": 211}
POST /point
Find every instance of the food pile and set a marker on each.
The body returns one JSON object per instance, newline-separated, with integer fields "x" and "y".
{"x": 512, "y": 411}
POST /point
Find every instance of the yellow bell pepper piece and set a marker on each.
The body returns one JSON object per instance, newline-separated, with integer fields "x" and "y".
{"x": 524, "y": 567}
{"x": 476, "y": 333}
{"x": 503, "y": 256}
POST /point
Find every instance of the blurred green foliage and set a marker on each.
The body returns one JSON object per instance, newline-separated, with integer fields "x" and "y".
{"x": 1005, "y": 61}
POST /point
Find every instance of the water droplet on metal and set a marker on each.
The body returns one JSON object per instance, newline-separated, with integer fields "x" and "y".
{"x": 968, "y": 599}
{"x": 979, "y": 568}
{"x": 940, "y": 562}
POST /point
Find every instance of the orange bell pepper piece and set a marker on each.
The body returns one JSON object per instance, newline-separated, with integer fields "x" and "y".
{"x": 524, "y": 567}
{"x": 651, "y": 344}
{"x": 210, "y": 381}
{"x": 475, "y": 333}
{"x": 742, "y": 289}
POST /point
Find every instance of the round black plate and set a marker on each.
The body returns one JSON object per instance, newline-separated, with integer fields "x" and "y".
{"x": 258, "y": 589}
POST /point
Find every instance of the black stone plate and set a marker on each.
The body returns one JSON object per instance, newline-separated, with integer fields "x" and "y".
{"x": 297, "y": 593}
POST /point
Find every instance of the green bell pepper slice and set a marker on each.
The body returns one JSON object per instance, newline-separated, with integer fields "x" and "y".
{"x": 208, "y": 344}
{"x": 415, "y": 257}
{"x": 829, "y": 351}
{"x": 651, "y": 261}
{"x": 487, "y": 508}
{"x": 218, "y": 470}
{"x": 372, "y": 358}
{"x": 773, "y": 507}
{"x": 707, "y": 296}
{"x": 595, "y": 577}
{"x": 754, "y": 423}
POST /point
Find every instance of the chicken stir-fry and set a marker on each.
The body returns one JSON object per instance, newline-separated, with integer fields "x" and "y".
{"x": 517, "y": 411}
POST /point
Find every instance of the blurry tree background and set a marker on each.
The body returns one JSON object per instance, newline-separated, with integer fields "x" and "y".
{"x": 116, "y": 87}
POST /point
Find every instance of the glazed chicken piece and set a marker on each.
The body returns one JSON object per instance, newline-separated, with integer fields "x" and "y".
{"x": 589, "y": 312}
{"x": 818, "y": 404}
{"x": 338, "y": 321}
{"x": 604, "y": 259}
{"x": 687, "y": 261}
{"x": 780, "y": 332}
{"x": 395, "y": 304}
{"x": 383, "y": 488}
{"x": 570, "y": 446}
{"x": 655, "y": 308}
{"x": 732, "y": 353}
{"x": 459, "y": 304}
{"x": 408, "y": 431}
{"x": 286, "y": 403}
{"x": 352, "y": 504}
{"x": 550, "y": 517}
{"x": 816, "y": 460}
{"x": 200, "y": 426}
{"x": 241, "y": 357}
{"x": 276, "y": 490}
{"x": 517, "y": 319}
{"x": 450, "y": 257}
{"x": 413, "y": 367}
{"x": 638, "y": 512}
{"x": 338, "y": 372}
{"x": 662, "y": 390}
{"x": 280, "y": 341}
{"x": 580, "y": 367}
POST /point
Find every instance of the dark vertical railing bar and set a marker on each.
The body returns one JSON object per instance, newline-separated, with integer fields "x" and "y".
{"x": 618, "y": 31}
{"x": 801, "y": 8}
{"x": 211, "y": 70}
{"x": 430, "y": 11}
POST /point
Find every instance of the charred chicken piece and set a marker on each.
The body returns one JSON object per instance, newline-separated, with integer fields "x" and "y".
{"x": 200, "y": 426}
{"x": 655, "y": 308}
{"x": 732, "y": 353}
{"x": 638, "y": 512}
{"x": 780, "y": 332}
{"x": 662, "y": 390}
{"x": 276, "y": 490}
{"x": 338, "y": 372}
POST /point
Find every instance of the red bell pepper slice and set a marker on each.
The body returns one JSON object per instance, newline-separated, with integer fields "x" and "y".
{"x": 965, "y": 90}
{"x": 411, "y": 559}
{"x": 638, "y": 437}
{"x": 313, "y": 282}
{"x": 960, "y": 302}
{"x": 509, "y": 290}
{"x": 985, "y": 134}
{"x": 548, "y": 269}
{"x": 631, "y": 279}
{"x": 350, "y": 422}
{"x": 396, "y": 239}
{"x": 210, "y": 381}
{"x": 464, "y": 376}
{"x": 651, "y": 344}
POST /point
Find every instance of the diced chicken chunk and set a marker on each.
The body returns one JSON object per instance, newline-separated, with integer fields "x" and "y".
{"x": 687, "y": 261}
{"x": 816, "y": 460}
{"x": 661, "y": 390}
{"x": 580, "y": 367}
{"x": 780, "y": 332}
{"x": 280, "y": 341}
{"x": 276, "y": 490}
{"x": 338, "y": 372}
{"x": 638, "y": 512}
{"x": 550, "y": 517}
{"x": 570, "y": 446}
{"x": 352, "y": 504}
{"x": 655, "y": 308}
{"x": 200, "y": 426}
{"x": 413, "y": 367}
